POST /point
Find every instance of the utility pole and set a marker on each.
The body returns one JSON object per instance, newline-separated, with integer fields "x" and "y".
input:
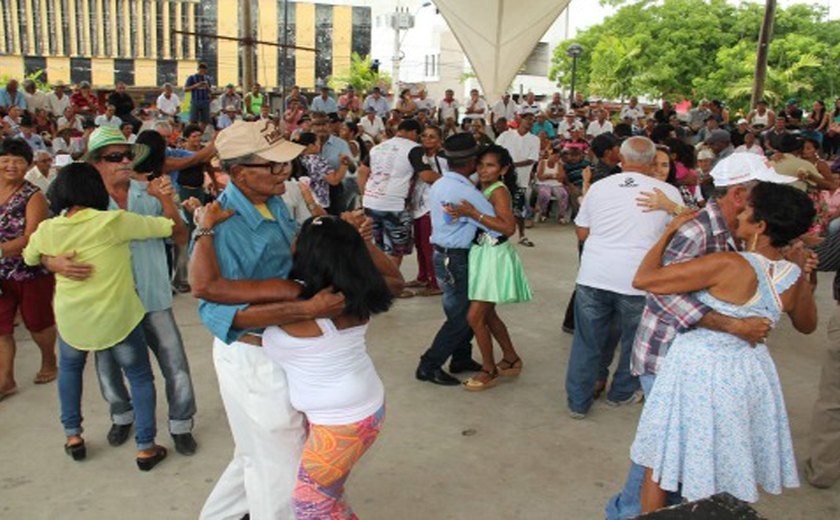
{"x": 764, "y": 38}
{"x": 247, "y": 46}
{"x": 283, "y": 70}
{"x": 399, "y": 20}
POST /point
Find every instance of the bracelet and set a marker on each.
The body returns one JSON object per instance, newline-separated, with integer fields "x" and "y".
{"x": 311, "y": 206}
{"x": 204, "y": 232}
{"x": 480, "y": 217}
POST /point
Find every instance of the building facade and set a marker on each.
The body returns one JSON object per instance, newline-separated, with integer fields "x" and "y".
{"x": 135, "y": 41}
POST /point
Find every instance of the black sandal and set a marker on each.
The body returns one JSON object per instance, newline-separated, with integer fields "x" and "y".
{"x": 512, "y": 370}
{"x": 78, "y": 451}
{"x": 147, "y": 463}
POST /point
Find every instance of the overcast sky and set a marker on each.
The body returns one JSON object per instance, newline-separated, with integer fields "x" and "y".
{"x": 585, "y": 13}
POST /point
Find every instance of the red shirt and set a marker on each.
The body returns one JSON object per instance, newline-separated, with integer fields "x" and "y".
{"x": 84, "y": 104}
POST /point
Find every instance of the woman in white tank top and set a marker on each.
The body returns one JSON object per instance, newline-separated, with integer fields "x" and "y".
{"x": 331, "y": 378}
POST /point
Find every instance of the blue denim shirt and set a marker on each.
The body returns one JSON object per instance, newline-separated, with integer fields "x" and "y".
{"x": 327, "y": 106}
{"x": 249, "y": 247}
{"x": 333, "y": 148}
{"x": 148, "y": 257}
{"x": 381, "y": 105}
{"x": 452, "y": 188}
{"x": 7, "y": 101}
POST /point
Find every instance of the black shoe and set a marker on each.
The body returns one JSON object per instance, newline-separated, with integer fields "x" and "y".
{"x": 456, "y": 367}
{"x": 436, "y": 376}
{"x": 118, "y": 434}
{"x": 568, "y": 330}
{"x": 147, "y": 463}
{"x": 77, "y": 451}
{"x": 184, "y": 443}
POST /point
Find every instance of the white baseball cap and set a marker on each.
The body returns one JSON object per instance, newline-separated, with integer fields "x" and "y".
{"x": 743, "y": 167}
{"x": 258, "y": 138}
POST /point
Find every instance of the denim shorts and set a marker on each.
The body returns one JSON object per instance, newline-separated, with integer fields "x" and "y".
{"x": 392, "y": 231}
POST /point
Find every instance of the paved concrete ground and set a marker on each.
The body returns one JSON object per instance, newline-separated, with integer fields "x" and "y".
{"x": 524, "y": 459}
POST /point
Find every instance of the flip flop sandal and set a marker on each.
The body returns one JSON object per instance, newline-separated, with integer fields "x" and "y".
{"x": 525, "y": 242}
{"x": 8, "y": 393}
{"x": 405, "y": 294}
{"x": 474, "y": 385}
{"x": 513, "y": 368}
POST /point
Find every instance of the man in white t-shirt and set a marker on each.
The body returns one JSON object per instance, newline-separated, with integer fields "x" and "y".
{"x": 524, "y": 148}
{"x": 571, "y": 122}
{"x": 388, "y": 189}
{"x": 599, "y": 126}
{"x": 505, "y": 107}
{"x": 57, "y": 100}
{"x": 475, "y": 107}
{"x": 530, "y": 105}
{"x": 425, "y": 102}
{"x": 372, "y": 125}
{"x": 617, "y": 235}
{"x": 448, "y": 107}
{"x": 632, "y": 111}
{"x": 167, "y": 103}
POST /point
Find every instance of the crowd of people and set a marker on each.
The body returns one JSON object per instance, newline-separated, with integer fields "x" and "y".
{"x": 290, "y": 225}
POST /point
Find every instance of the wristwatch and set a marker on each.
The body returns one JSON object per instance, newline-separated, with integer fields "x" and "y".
{"x": 203, "y": 232}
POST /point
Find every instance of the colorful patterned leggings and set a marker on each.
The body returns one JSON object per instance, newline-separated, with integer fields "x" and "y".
{"x": 328, "y": 456}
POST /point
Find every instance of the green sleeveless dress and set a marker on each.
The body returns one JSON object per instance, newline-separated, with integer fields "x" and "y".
{"x": 496, "y": 274}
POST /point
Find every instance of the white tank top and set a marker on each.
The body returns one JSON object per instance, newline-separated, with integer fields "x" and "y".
{"x": 331, "y": 377}
{"x": 549, "y": 170}
{"x": 759, "y": 119}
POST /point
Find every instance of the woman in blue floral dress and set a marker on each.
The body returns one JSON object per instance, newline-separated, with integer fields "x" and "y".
{"x": 716, "y": 420}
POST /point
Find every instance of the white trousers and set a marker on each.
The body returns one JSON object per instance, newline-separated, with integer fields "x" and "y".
{"x": 268, "y": 434}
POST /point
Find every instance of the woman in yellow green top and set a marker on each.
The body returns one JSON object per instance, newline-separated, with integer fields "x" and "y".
{"x": 254, "y": 100}
{"x": 103, "y": 313}
{"x": 495, "y": 270}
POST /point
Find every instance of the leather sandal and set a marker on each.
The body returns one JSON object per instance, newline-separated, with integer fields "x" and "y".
{"x": 509, "y": 368}
{"x": 475, "y": 385}
{"x": 147, "y": 463}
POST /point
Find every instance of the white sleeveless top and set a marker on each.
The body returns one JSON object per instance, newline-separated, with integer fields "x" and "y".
{"x": 550, "y": 171}
{"x": 759, "y": 119}
{"x": 331, "y": 377}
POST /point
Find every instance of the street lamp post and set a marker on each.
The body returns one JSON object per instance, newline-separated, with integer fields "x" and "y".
{"x": 573, "y": 51}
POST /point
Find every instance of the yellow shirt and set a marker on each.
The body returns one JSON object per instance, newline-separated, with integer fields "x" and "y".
{"x": 264, "y": 211}
{"x": 99, "y": 312}
{"x": 791, "y": 164}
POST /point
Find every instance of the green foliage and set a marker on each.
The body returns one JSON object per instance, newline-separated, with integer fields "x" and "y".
{"x": 360, "y": 76}
{"x": 37, "y": 77}
{"x": 679, "y": 49}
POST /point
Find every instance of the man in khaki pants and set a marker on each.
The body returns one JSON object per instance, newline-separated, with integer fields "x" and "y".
{"x": 823, "y": 465}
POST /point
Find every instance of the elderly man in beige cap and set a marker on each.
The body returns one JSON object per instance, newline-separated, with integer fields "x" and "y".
{"x": 253, "y": 248}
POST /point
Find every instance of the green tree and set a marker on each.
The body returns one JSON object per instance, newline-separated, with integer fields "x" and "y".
{"x": 679, "y": 49}
{"x": 360, "y": 76}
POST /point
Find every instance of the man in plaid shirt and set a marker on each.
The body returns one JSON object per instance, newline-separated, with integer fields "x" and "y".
{"x": 666, "y": 315}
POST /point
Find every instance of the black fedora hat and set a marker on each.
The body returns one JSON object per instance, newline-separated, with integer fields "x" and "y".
{"x": 461, "y": 146}
{"x": 790, "y": 143}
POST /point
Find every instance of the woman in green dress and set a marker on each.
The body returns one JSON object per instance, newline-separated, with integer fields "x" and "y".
{"x": 495, "y": 270}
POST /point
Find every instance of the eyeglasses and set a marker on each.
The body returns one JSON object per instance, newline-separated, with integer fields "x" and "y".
{"x": 118, "y": 157}
{"x": 273, "y": 168}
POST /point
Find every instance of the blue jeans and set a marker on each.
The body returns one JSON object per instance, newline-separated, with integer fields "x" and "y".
{"x": 453, "y": 338}
{"x": 627, "y": 504}
{"x": 164, "y": 339}
{"x": 132, "y": 356}
{"x": 595, "y": 310}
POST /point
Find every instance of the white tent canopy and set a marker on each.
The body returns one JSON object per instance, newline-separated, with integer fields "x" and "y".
{"x": 498, "y": 35}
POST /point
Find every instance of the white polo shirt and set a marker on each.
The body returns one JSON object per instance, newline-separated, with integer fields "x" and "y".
{"x": 595, "y": 128}
{"x": 168, "y": 105}
{"x": 508, "y": 111}
{"x": 446, "y": 109}
{"x": 372, "y": 128}
{"x": 620, "y": 233}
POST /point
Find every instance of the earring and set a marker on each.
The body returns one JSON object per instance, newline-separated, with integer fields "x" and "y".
{"x": 753, "y": 242}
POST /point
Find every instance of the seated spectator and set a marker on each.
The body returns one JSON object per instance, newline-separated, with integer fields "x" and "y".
{"x": 84, "y": 101}
{"x": 42, "y": 173}
{"x": 109, "y": 118}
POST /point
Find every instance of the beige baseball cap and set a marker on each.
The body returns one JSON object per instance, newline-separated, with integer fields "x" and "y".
{"x": 260, "y": 138}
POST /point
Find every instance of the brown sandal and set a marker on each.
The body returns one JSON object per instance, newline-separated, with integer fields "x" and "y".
{"x": 475, "y": 385}
{"x": 513, "y": 368}
{"x": 45, "y": 376}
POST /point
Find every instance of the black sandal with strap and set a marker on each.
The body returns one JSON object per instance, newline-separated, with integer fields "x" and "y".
{"x": 512, "y": 370}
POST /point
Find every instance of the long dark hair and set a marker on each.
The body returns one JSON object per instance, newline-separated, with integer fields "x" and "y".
{"x": 153, "y": 163}
{"x": 331, "y": 253}
{"x": 505, "y": 161}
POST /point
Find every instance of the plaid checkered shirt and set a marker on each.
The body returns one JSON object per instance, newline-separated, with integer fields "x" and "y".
{"x": 666, "y": 315}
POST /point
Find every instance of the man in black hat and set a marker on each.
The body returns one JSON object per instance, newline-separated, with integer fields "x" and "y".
{"x": 451, "y": 240}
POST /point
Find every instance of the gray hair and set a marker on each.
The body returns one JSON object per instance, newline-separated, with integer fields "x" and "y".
{"x": 227, "y": 164}
{"x": 163, "y": 125}
{"x": 638, "y": 150}
{"x": 42, "y": 153}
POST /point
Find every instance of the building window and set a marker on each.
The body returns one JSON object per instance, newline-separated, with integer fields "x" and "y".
{"x": 120, "y": 50}
{"x": 37, "y": 30}
{"x": 106, "y": 28}
{"x": 134, "y": 37}
{"x": 65, "y": 26}
{"x": 146, "y": 47}
{"x": 124, "y": 71}
{"x": 81, "y": 47}
{"x": 23, "y": 16}
{"x": 94, "y": 29}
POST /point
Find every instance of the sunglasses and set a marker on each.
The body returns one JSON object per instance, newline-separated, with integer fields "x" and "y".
{"x": 118, "y": 157}
{"x": 273, "y": 168}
